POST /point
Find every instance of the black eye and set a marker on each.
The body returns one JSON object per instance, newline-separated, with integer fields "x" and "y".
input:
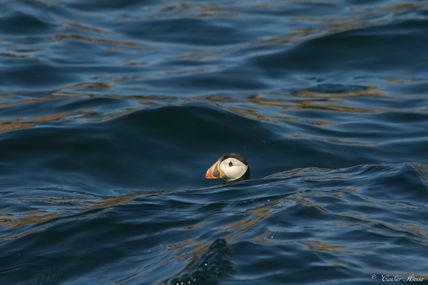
{"x": 230, "y": 164}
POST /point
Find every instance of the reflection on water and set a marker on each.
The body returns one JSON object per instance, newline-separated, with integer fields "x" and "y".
{"x": 261, "y": 107}
{"x": 34, "y": 217}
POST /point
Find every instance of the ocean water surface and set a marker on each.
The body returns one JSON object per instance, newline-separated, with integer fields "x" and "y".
{"x": 111, "y": 112}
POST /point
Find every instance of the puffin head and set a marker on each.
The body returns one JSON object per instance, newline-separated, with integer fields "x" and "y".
{"x": 230, "y": 167}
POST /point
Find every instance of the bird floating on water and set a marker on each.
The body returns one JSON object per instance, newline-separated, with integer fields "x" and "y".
{"x": 230, "y": 167}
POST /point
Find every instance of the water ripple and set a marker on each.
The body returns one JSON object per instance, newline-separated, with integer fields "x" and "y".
{"x": 111, "y": 111}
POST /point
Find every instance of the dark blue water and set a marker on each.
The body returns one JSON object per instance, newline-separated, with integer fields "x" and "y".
{"x": 111, "y": 112}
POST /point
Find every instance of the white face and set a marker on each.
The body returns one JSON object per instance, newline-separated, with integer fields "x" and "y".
{"x": 232, "y": 168}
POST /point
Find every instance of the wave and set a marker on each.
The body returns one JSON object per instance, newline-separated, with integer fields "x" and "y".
{"x": 304, "y": 220}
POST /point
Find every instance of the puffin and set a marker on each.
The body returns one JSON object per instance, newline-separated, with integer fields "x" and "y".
{"x": 230, "y": 167}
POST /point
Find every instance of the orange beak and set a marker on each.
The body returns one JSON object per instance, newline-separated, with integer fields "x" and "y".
{"x": 213, "y": 172}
